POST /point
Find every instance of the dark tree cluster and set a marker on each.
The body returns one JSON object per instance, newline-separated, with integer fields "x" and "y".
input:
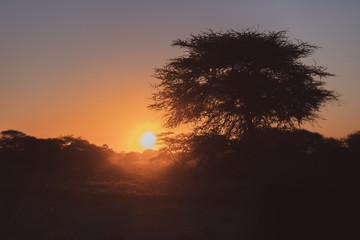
{"x": 29, "y": 160}
{"x": 296, "y": 184}
{"x": 273, "y": 185}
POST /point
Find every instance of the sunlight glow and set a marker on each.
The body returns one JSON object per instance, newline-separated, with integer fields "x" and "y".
{"x": 147, "y": 140}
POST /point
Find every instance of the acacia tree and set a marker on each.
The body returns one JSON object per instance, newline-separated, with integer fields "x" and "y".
{"x": 235, "y": 82}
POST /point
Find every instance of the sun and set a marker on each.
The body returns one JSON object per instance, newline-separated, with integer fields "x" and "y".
{"x": 147, "y": 140}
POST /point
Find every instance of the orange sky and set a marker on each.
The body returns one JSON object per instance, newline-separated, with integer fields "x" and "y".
{"x": 84, "y": 67}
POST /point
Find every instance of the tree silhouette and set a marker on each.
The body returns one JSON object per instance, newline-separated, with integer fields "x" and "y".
{"x": 235, "y": 82}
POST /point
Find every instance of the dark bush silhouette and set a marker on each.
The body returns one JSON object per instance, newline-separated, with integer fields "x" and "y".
{"x": 353, "y": 141}
{"x": 298, "y": 183}
{"x": 46, "y": 189}
{"x": 274, "y": 185}
{"x": 64, "y": 159}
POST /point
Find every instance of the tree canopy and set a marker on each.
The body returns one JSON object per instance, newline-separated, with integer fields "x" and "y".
{"x": 234, "y": 82}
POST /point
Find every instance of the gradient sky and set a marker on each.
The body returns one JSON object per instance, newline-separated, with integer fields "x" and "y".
{"x": 84, "y": 67}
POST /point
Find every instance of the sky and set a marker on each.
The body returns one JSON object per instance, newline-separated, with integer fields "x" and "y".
{"x": 84, "y": 68}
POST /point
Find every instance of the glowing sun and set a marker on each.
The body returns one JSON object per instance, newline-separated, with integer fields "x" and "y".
{"x": 147, "y": 140}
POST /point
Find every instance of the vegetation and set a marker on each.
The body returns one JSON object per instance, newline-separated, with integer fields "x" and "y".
{"x": 234, "y": 82}
{"x": 273, "y": 185}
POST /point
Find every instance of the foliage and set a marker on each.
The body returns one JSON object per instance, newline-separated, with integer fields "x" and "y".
{"x": 234, "y": 82}
{"x": 63, "y": 159}
{"x": 353, "y": 140}
{"x": 287, "y": 181}
{"x": 201, "y": 149}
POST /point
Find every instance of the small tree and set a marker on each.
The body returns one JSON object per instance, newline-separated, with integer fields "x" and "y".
{"x": 235, "y": 82}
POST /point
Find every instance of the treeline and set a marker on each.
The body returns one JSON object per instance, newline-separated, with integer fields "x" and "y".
{"x": 275, "y": 157}
{"x": 297, "y": 184}
{"x": 28, "y": 159}
{"x": 291, "y": 184}
{"x": 272, "y": 157}
{"x": 67, "y": 188}
{"x": 69, "y": 165}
